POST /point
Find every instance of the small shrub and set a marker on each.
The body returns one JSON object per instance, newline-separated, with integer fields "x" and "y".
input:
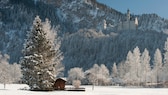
{"x": 76, "y": 83}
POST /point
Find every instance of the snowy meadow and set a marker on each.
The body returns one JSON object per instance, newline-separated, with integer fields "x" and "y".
{"x": 17, "y": 89}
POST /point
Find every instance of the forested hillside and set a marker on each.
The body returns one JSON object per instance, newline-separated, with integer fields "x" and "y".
{"x": 79, "y": 24}
{"x": 87, "y": 47}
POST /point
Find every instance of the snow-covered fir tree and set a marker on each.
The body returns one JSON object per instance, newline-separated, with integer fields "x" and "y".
{"x": 40, "y": 58}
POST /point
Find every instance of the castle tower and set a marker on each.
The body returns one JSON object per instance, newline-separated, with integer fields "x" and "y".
{"x": 136, "y": 22}
{"x": 128, "y": 15}
{"x": 104, "y": 24}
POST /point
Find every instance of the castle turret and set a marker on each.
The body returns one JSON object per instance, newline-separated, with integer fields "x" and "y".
{"x": 128, "y": 15}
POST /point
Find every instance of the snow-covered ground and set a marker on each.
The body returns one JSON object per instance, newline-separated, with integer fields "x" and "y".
{"x": 15, "y": 89}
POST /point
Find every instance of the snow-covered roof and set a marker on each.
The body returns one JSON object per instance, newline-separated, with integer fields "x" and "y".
{"x": 62, "y": 78}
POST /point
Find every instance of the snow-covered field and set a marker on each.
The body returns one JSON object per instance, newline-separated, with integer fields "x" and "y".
{"x": 14, "y": 89}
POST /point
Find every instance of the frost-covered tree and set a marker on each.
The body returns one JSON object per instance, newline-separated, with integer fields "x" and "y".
{"x": 76, "y": 83}
{"x": 40, "y": 58}
{"x": 165, "y": 67}
{"x": 145, "y": 66}
{"x": 157, "y": 65}
{"x": 99, "y": 75}
{"x": 128, "y": 68}
{"x": 136, "y": 69}
{"x": 133, "y": 65}
{"x": 137, "y": 62}
{"x": 4, "y": 69}
{"x": 15, "y": 72}
{"x": 9, "y": 73}
{"x": 75, "y": 74}
{"x": 104, "y": 70}
{"x": 51, "y": 34}
{"x": 92, "y": 74}
{"x": 114, "y": 71}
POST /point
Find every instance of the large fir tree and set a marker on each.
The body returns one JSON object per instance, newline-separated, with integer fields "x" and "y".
{"x": 38, "y": 64}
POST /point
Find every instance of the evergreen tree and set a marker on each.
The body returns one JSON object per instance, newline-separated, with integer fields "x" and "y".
{"x": 137, "y": 65}
{"x": 127, "y": 68}
{"x": 166, "y": 52}
{"x": 145, "y": 64}
{"x": 51, "y": 34}
{"x": 165, "y": 67}
{"x": 114, "y": 71}
{"x": 39, "y": 61}
{"x": 157, "y": 65}
{"x": 133, "y": 67}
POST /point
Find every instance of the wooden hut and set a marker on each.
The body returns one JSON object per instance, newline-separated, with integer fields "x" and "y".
{"x": 59, "y": 84}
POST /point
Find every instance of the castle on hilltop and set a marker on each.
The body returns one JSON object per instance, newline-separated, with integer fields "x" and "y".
{"x": 129, "y": 24}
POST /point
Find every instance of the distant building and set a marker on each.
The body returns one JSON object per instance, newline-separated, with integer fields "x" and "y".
{"x": 128, "y": 24}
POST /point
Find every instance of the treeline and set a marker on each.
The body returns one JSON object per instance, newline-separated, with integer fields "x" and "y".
{"x": 88, "y": 46}
{"x": 136, "y": 70}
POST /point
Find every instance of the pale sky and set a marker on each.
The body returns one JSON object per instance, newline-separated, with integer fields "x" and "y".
{"x": 159, "y": 7}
